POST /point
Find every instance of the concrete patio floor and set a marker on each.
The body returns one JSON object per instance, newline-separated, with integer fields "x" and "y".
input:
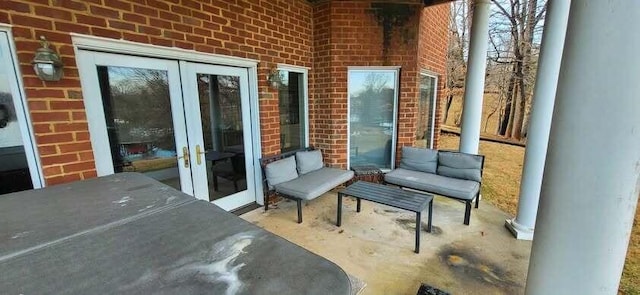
{"x": 376, "y": 245}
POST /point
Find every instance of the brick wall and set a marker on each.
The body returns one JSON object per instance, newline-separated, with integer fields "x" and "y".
{"x": 348, "y": 34}
{"x": 432, "y": 51}
{"x": 327, "y": 37}
{"x": 269, "y": 31}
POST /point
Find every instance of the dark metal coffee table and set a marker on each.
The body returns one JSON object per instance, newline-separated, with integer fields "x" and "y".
{"x": 390, "y": 196}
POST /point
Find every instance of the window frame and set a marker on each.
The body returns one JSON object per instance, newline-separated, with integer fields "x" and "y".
{"x": 394, "y": 133}
{"x": 434, "y": 101}
{"x": 305, "y": 81}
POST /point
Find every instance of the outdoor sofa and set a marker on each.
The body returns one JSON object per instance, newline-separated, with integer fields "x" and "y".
{"x": 299, "y": 175}
{"x": 446, "y": 173}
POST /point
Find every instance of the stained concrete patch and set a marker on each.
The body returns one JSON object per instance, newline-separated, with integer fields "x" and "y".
{"x": 410, "y": 224}
{"x": 467, "y": 264}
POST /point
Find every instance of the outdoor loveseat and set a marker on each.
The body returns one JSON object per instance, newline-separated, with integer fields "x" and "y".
{"x": 299, "y": 175}
{"x": 447, "y": 173}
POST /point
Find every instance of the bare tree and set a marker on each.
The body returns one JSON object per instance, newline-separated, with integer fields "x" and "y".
{"x": 519, "y": 22}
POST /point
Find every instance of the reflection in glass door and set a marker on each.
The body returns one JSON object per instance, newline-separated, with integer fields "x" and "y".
{"x": 138, "y": 123}
{"x": 18, "y": 170}
{"x": 218, "y": 120}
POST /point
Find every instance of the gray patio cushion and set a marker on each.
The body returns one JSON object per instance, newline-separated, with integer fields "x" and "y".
{"x": 315, "y": 183}
{"x": 425, "y": 160}
{"x": 309, "y": 161}
{"x": 458, "y": 165}
{"x": 433, "y": 183}
{"x": 280, "y": 171}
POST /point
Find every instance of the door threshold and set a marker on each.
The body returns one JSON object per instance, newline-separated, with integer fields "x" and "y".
{"x": 246, "y": 208}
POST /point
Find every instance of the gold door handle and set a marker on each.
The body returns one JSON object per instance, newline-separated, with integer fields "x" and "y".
{"x": 199, "y": 154}
{"x": 185, "y": 156}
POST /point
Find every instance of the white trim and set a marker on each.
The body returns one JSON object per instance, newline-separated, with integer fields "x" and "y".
{"x": 434, "y": 101}
{"x": 394, "y": 134}
{"x": 377, "y": 68}
{"x": 255, "y": 131}
{"x": 292, "y": 68}
{"x": 132, "y": 48}
{"x": 28, "y": 135}
{"x": 305, "y": 81}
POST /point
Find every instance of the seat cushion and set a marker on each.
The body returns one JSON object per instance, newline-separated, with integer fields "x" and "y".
{"x": 460, "y": 165}
{"x": 280, "y": 171}
{"x": 309, "y": 161}
{"x": 425, "y": 160}
{"x": 315, "y": 183}
{"x": 433, "y": 183}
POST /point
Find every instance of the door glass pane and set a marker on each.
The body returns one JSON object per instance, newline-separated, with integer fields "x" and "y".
{"x": 14, "y": 169}
{"x": 137, "y": 109}
{"x": 426, "y": 103}
{"x": 371, "y": 122}
{"x": 221, "y": 111}
{"x": 292, "y": 115}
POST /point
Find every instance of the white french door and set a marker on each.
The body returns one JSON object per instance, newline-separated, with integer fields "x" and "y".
{"x": 136, "y": 116}
{"x": 19, "y": 168}
{"x": 184, "y": 124}
{"x": 217, "y": 109}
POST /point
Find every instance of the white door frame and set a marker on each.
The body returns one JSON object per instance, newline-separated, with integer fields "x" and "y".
{"x": 21, "y": 108}
{"x": 132, "y": 48}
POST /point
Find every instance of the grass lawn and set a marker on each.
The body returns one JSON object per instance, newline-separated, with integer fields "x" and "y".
{"x": 500, "y": 186}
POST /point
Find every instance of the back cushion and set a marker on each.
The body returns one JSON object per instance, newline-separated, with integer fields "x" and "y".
{"x": 280, "y": 171}
{"x": 459, "y": 165}
{"x": 309, "y": 161}
{"x": 423, "y": 160}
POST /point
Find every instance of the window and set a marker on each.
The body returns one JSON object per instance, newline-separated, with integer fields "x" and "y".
{"x": 426, "y": 111}
{"x": 373, "y": 101}
{"x": 292, "y": 94}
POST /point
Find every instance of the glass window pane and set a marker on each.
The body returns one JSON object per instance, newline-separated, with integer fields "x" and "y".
{"x": 221, "y": 111}
{"x": 426, "y": 103}
{"x": 137, "y": 109}
{"x": 371, "y": 121}
{"x": 14, "y": 169}
{"x": 292, "y": 115}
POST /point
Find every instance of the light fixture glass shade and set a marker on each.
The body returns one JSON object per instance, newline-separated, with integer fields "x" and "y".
{"x": 46, "y": 63}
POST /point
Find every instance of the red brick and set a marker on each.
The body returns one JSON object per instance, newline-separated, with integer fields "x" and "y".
{"x": 15, "y": 6}
{"x": 77, "y": 167}
{"x": 59, "y": 159}
{"x": 118, "y": 5}
{"x": 105, "y": 12}
{"x": 71, "y": 4}
{"x": 91, "y": 20}
{"x": 41, "y": 128}
{"x": 134, "y": 18}
{"x": 71, "y": 27}
{"x": 67, "y": 127}
{"x": 55, "y": 13}
{"x": 31, "y": 22}
{"x": 89, "y": 174}
{"x": 121, "y": 25}
{"x": 49, "y": 116}
{"x": 52, "y": 170}
{"x": 107, "y": 33}
{"x": 62, "y": 179}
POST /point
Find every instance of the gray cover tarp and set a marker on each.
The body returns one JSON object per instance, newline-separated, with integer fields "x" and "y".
{"x": 128, "y": 234}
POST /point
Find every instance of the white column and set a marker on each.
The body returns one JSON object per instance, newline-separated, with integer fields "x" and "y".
{"x": 474, "y": 82}
{"x": 592, "y": 175}
{"x": 555, "y": 27}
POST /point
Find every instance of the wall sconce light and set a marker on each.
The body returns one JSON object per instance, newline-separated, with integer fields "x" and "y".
{"x": 274, "y": 78}
{"x": 46, "y": 63}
